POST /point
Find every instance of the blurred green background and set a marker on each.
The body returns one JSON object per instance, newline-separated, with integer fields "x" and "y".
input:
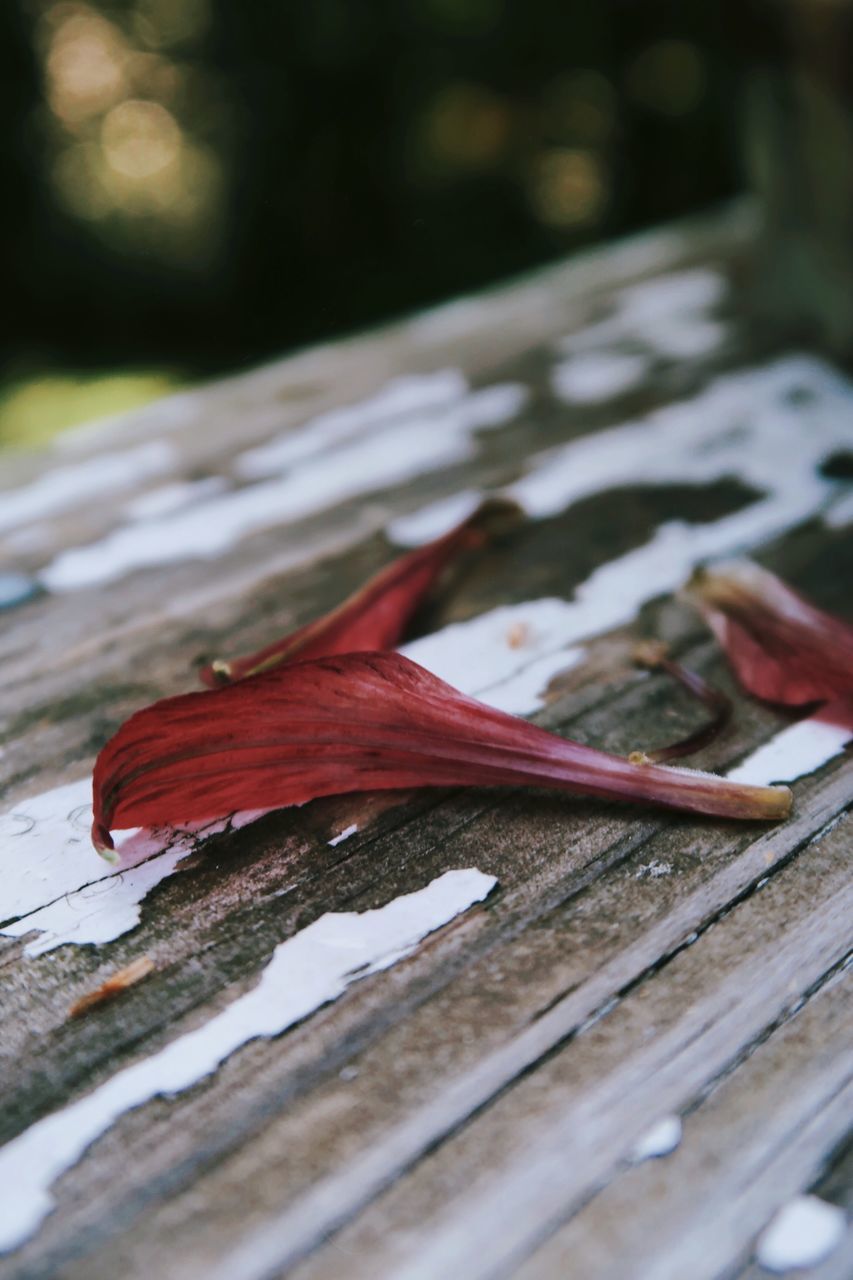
{"x": 191, "y": 186}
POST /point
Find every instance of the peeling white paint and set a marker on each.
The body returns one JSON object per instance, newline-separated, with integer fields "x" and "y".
{"x": 45, "y": 849}
{"x": 477, "y": 657}
{"x": 53, "y": 882}
{"x": 738, "y": 427}
{"x": 795, "y": 751}
{"x": 81, "y": 483}
{"x": 653, "y": 870}
{"x": 665, "y": 316}
{"x": 167, "y": 498}
{"x": 680, "y": 293}
{"x": 596, "y": 376}
{"x": 344, "y": 835}
{"x": 207, "y": 530}
{"x": 840, "y": 514}
{"x": 802, "y": 1234}
{"x": 434, "y": 520}
{"x": 399, "y": 398}
{"x": 317, "y": 478}
{"x": 307, "y": 971}
{"x": 687, "y": 339}
{"x": 524, "y": 691}
{"x": 100, "y": 912}
{"x": 660, "y": 1140}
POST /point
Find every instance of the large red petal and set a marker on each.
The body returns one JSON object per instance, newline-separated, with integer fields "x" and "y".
{"x": 376, "y": 616}
{"x": 358, "y": 722}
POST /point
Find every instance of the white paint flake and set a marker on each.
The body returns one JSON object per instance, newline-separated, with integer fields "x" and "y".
{"x": 81, "y": 483}
{"x": 596, "y": 376}
{"x": 434, "y": 520}
{"x": 167, "y": 498}
{"x": 687, "y": 339}
{"x": 99, "y": 912}
{"x": 209, "y": 529}
{"x": 666, "y": 316}
{"x": 667, "y": 297}
{"x": 477, "y": 657}
{"x": 840, "y": 514}
{"x": 795, "y": 751}
{"x": 660, "y": 1140}
{"x": 400, "y": 398}
{"x": 307, "y": 971}
{"x": 52, "y": 882}
{"x": 738, "y": 427}
{"x": 524, "y": 691}
{"x": 802, "y": 1234}
{"x": 653, "y": 870}
{"x": 322, "y": 471}
{"x": 344, "y": 835}
{"x": 45, "y": 849}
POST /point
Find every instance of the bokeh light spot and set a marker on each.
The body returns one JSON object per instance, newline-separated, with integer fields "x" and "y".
{"x": 568, "y": 187}
{"x": 465, "y": 127}
{"x": 140, "y": 139}
{"x": 85, "y": 66}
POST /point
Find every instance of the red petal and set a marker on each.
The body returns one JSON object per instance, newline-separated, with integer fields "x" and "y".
{"x": 783, "y": 648}
{"x": 376, "y": 616}
{"x": 359, "y": 722}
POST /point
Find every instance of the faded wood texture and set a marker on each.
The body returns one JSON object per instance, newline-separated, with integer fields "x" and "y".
{"x": 471, "y": 1110}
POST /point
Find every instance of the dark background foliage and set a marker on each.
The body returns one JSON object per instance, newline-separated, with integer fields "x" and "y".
{"x": 192, "y": 185}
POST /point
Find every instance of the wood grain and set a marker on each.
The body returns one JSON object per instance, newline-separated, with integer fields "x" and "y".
{"x": 472, "y": 1109}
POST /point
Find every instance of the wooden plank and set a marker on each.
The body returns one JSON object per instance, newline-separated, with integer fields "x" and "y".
{"x": 547, "y": 1143}
{"x": 747, "y": 1149}
{"x": 835, "y": 1187}
{"x": 458, "y": 1051}
{"x": 282, "y": 873}
{"x": 361, "y": 1133}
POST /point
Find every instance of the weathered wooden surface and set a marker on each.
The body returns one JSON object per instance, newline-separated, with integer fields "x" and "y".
{"x": 472, "y": 1109}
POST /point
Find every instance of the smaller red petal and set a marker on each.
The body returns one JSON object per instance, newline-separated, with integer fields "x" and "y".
{"x": 781, "y": 646}
{"x": 376, "y": 615}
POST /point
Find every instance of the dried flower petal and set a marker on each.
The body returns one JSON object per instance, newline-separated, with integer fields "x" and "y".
{"x": 359, "y": 722}
{"x": 782, "y": 648}
{"x": 376, "y": 616}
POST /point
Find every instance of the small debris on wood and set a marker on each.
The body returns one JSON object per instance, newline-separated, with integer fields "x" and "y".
{"x": 114, "y": 986}
{"x": 518, "y": 635}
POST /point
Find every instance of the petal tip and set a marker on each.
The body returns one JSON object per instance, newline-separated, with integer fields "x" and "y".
{"x": 103, "y": 844}
{"x": 216, "y": 673}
